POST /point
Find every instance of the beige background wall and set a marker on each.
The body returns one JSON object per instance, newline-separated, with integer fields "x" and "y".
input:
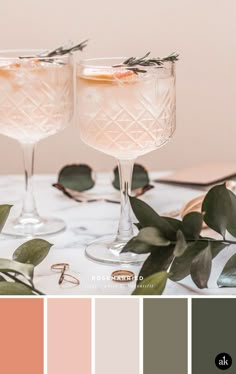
{"x": 202, "y": 31}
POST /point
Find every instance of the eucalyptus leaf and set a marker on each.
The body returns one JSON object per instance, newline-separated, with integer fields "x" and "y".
{"x": 148, "y": 217}
{"x": 159, "y": 260}
{"x": 228, "y": 276}
{"x": 32, "y": 252}
{"x": 14, "y": 288}
{"x": 152, "y": 285}
{"x": 140, "y": 177}
{"x": 152, "y": 236}
{"x": 219, "y": 208}
{"x": 192, "y": 225}
{"x": 11, "y": 266}
{"x": 138, "y": 225}
{"x": 181, "y": 244}
{"x": 181, "y": 266}
{"x": 201, "y": 267}
{"x": 4, "y": 213}
{"x": 77, "y": 177}
{"x": 176, "y": 224}
{"x": 136, "y": 246}
{"x": 217, "y": 247}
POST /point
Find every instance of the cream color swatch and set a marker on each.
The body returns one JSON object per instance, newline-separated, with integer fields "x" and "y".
{"x": 117, "y": 336}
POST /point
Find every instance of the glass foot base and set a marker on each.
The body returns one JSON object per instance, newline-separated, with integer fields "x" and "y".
{"x": 107, "y": 251}
{"x": 33, "y": 227}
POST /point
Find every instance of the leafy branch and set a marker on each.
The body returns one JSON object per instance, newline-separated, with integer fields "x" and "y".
{"x": 176, "y": 248}
{"x": 16, "y": 274}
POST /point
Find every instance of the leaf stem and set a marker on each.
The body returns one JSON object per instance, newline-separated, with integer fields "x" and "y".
{"x": 25, "y": 284}
{"x": 210, "y": 240}
{"x": 218, "y": 240}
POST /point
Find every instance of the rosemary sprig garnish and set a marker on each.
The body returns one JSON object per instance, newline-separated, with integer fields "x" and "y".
{"x": 145, "y": 61}
{"x": 60, "y": 51}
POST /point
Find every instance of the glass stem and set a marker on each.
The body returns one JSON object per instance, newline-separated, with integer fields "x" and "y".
{"x": 125, "y": 230}
{"x": 29, "y": 207}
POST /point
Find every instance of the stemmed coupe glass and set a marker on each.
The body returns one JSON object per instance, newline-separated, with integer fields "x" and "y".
{"x": 125, "y": 113}
{"x": 36, "y": 101}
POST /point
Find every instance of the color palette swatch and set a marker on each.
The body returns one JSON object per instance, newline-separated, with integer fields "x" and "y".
{"x": 117, "y": 335}
{"x": 214, "y": 331}
{"x": 69, "y": 336}
{"x": 22, "y": 336}
{"x": 165, "y": 336}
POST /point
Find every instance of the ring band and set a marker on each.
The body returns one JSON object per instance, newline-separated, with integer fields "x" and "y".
{"x": 60, "y": 266}
{"x": 64, "y": 278}
{"x": 122, "y": 276}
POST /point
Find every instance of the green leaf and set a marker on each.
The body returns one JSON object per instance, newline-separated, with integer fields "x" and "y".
{"x": 181, "y": 244}
{"x": 14, "y": 288}
{"x": 192, "y": 225}
{"x": 32, "y": 252}
{"x": 135, "y": 246}
{"x": 77, "y": 177}
{"x": 152, "y": 285}
{"x": 140, "y": 177}
{"x": 148, "y": 217}
{"x": 138, "y": 225}
{"x": 16, "y": 267}
{"x": 201, "y": 267}
{"x": 2, "y": 279}
{"x": 152, "y": 236}
{"x": 4, "y": 213}
{"x": 181, "y": 266}
{"x": 176, "y": 224}
{"x": 159, "y": 260}
{"x": 217, "y": 247}
{"x": 219, "y": 208}
{"x": 228, "y": 276}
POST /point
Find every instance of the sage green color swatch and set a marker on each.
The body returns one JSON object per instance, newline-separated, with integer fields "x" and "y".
{"x": 213, "y": 332}
{"x": 165, "y": 343}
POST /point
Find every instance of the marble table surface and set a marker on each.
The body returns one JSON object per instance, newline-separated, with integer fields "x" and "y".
{"x": 89, "y": 221}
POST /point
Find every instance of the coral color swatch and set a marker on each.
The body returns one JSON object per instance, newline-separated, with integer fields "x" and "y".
{"x": 21, "y": 326}
{"x": 69, "y": 336}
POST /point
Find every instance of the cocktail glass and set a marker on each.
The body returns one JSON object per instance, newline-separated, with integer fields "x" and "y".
{"x": 125, "y": 115}
{"x": 36, "y": 101}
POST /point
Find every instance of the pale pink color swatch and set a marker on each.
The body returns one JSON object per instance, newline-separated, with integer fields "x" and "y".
{"x": 21, "y": 327}
{"x": 117, "y": 336}
{"x": 69, "y": 336}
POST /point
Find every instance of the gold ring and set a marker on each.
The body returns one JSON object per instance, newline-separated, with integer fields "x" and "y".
{"x": 122, "y": 276}
{"x": 70, "y": 279}
{"x": 60, "y": 266}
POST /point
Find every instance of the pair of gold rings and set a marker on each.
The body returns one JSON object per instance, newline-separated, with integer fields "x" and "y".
{"x": 64, "y": 277}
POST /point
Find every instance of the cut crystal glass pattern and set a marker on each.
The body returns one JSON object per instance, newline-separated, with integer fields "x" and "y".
{"x": 35, "y": 103}
{"x": 127, "y": 121}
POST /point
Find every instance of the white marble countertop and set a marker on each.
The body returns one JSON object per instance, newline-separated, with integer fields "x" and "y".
{"x": 89, "y": 221}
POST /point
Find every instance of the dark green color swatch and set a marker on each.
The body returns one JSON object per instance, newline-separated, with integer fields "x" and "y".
{"x": 165, "y": 336}
{"x": 213, "y": 332}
